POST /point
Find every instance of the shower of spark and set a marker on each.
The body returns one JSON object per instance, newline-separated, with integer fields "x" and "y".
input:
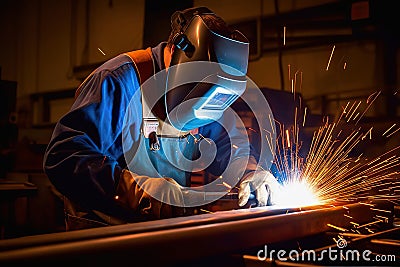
{"x": 330, "y": 58}
{"x": 101, "y": 51}
{"x": 332, "y": 171}
{"x": 284, "y": 35}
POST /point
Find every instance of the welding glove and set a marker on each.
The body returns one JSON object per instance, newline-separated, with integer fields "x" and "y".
{"x": 150, "y": 196}
{"x": 263, "y": 184}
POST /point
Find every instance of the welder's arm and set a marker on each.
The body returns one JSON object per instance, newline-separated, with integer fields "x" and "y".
{"x": 233, "y": 147}
{"x": 154, "y": 198}
{"x": 82, "y": 160}
{"x": 264, "y": 185}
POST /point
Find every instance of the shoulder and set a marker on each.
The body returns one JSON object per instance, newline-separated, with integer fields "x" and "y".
{"x": 118, "y": 65}
{"x": 117, "y": 74}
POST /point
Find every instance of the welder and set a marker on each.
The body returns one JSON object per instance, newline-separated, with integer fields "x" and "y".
{"x": 126, "y": 149}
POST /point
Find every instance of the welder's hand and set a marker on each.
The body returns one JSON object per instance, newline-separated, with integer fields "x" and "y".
{"x": 263, "y": 184}
{"x": 154, "y": 197}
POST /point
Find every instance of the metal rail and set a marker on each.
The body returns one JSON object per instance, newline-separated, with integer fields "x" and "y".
{"x": 181, "y": 240}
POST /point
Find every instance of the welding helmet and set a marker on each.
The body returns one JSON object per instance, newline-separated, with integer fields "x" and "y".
{"x": 207, "y": 72}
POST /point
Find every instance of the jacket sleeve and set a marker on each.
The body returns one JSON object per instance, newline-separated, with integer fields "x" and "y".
{"x": 235, "y": 154}
{"x": 84, "y": 158}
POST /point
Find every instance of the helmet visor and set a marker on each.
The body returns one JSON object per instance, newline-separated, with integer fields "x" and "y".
{"x": 198, "y": 93}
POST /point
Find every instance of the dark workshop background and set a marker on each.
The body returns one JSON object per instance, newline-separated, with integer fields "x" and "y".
{"x": 48, "y": 47}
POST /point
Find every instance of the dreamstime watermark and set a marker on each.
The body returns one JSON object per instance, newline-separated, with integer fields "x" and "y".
{"x": 330, "y": 254}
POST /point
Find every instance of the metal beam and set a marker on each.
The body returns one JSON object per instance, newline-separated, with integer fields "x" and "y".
{"x": 194, "y": 237}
